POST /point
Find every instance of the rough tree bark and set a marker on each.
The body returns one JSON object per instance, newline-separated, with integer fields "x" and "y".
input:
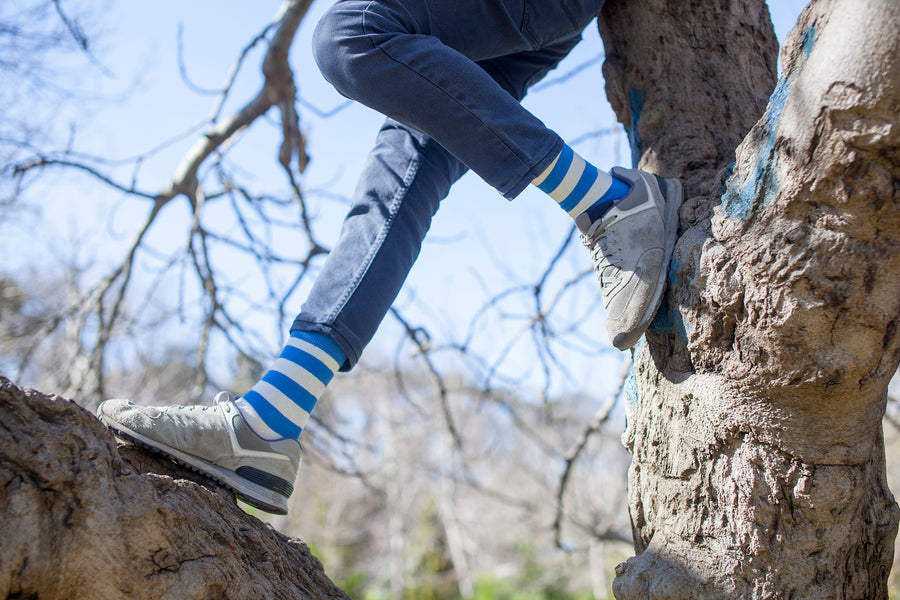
{"x": 756, "y": 428}
{"x": 83, "y": 519}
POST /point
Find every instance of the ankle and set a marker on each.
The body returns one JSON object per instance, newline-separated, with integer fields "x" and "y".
{"x": 617, "y": 191}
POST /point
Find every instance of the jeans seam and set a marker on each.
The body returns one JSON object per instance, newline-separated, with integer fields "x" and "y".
{"x": 395, "y": 204}
{"x": 528, "y": 18}
{"x": 526, "y": 24}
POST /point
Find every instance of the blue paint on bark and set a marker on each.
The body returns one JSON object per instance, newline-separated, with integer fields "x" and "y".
{"x": 809, "y": 38}
{"x": 674, "y": 270}
{"x": 635, "y": 107}
{"x": 631, "y": 396}
{"x": 670, "y": 322}
{"x": 760, "y": 186}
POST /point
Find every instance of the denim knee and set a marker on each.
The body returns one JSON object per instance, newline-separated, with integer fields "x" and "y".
{"x": 340, "y": 44}
{"x": 330, "y": 46}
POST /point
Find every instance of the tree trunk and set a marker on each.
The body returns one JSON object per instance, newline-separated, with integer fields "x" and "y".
{"x": 755, "y": 425}
{"x": 83, "y": 519}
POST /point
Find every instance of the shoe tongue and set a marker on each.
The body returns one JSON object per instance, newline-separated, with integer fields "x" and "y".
{"x": 584, "y": 222}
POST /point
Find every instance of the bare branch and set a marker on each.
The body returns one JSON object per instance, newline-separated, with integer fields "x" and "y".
{"x": 278, "y": 90}
{"x": 42, "y": 162}
{"x": 79, "y": 36}
{"x": 420, "y": 338}
{"x": 601, "y": 416}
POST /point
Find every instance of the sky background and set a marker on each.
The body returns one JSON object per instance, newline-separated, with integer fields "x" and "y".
{"x": 479, "y": 242}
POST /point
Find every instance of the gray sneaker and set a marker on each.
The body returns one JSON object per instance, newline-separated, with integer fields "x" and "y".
{"x": 215, "y": 441}
{"x": 631, "y": 246}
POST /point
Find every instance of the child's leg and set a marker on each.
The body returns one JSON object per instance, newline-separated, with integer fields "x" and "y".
{"x": 428, "y": 63}
{"x": 400, "y": 189}
{"x": 251, "y": 444}
{"x": 419, "y": 62}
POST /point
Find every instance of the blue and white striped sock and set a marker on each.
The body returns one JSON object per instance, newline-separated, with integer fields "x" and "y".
{"x": 280, "y": 403}
{"x": 579, "y": 187}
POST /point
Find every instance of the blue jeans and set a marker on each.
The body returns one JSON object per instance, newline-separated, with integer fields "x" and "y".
{"x": 449, "y": 75}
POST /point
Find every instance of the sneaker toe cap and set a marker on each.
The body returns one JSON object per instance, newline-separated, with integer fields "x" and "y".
{"x": 125, "y": 412}
{"x": 629, "y": 313}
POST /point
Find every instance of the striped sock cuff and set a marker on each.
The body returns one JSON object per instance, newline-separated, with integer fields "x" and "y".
{"x": 280, "y": 403}
{"x": 321, "y": 346}
{"x": 574, "y": 183}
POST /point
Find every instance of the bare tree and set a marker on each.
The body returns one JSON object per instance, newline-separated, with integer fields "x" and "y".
{"x": 756, "y": 429}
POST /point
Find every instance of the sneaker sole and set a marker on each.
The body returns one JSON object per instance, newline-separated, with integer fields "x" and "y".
{"x": 255, "y": 495}
{"x": 673, "y": 194}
